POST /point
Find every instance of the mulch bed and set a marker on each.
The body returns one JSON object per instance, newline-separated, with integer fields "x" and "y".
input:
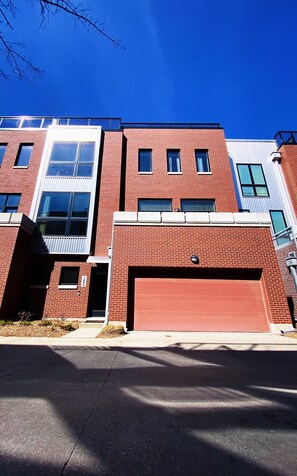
{"x": 45, "y": 328}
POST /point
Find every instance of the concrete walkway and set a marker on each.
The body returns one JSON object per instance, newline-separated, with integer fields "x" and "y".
{"x": 184, "y": 340}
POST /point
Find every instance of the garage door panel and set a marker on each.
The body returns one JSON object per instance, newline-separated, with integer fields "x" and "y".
{"x": 199, "y": 305}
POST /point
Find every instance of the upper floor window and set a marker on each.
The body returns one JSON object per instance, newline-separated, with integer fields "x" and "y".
{"x": 278, "y": 225}
{"x": 173, "y": 161}
{"x": 24, "y": 155}
{"x": 154, "y": 205}
{"x": 197, "y": 205}
{"x": 9, "y": 202}
{"x": 144, "y": 160}
{"x": 2, "y": 152}
{"x": 72, "y": 159}
{"x": 202, "y": 161}
{"x": 63, "y": 213}
{"x": 252, "y": 180}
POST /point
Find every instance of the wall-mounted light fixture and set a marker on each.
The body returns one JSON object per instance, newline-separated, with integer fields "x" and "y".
{"x": 177, "y": 209}
{"x": 194, "y": 259}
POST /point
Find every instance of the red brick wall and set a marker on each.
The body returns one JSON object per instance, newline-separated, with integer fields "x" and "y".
{"x": 219, "y": 185}
{"x": 289, "y": 168}
{"x": 109, "y": 198}
{"x": 282, "y": 254}
{"x": 217, "y": 247}
{"x": 15, "y": 180}
{"x": 14, "y": 244}
{"x": 60, "y": 303}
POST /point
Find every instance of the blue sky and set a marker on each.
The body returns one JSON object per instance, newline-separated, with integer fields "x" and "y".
{"x": 230, "y": 61}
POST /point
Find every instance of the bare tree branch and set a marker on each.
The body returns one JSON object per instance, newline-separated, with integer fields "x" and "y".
{"x": 12, "y": 51}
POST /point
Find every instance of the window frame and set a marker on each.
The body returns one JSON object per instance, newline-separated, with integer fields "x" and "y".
{"x": 154, "y": 200}
{"x": 150, "y": 161}
{"x": 76, "y": 163}
{"x": 169, "y": 162}
{"x": 3, "y": 147}
{"x": 201, "y": 200}
{"x": 208, "y": 171}
{"x": 253, "y": 184}
{"x": 66, "y": 216}
{"x": 73, "y": 285}
{"x": 5, "y": 206}
{"x": 283, "y": 239}
{"x": 19, "y": 154}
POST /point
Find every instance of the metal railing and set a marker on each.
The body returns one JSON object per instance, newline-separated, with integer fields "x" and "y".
{"x": 43, "y": 122}
{"x": 284, "y": 237}
{"x": 285, "y": 138}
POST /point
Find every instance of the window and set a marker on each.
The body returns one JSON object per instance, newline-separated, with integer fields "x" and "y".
{"x": 24, "y": 155}
{"x": 2, "y": 152}
{"x": 144, "y": 160}
{"x": 173, "y": 161}
{"x": 252, "y": 180}
{"x": 197, "y": 205}
{"x": 63, "y": 213}
{"x": 202, "y": 161}
{"x": 69, "y": 276}
{"x": 41, "y": 275}
{"x": 71, "y": 159}
{"x": 9, "y": 202}
{"x": 154, "y": 205}
{"x": 278, "y": 225}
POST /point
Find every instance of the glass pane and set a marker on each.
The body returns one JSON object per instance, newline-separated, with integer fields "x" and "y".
{"x": 78, "y": 121}
{"x": 244, "y": 174}
{"x": 24, "y": 155}
{"x": 10, "y": 123}
{"x": 3, "y": 198}
{"x": 154, "y": 205}
{"x": 197, "y": 205}
{"x": 145, "y": 161}
{"x": 31, "y": 123}
{"x": 59, "y": 169}
{"x": 69, "y": 275}
{"x": 81, "y": 205}
{"x": 86, "y": 152}
{"x": 257, "y": 174}
{"x": 52, "y": 228}
{"x": 47, "y": 122}
{"x": 64, "y": 152}
{"x": 13, "y": 200}
{"x": 173, "y": 161}
{"x": 84, "y": 171}
{"x": 2, "y": 151}
{"x": 54, "y": 204}
{"x": 202, "y": 161}
{"x": 10, "y": 209}
{"x": 261, "y": 191}
{"x": 248, "y": 191}
{"x": 278, "y": 221}
{"x": 78, "y": 228}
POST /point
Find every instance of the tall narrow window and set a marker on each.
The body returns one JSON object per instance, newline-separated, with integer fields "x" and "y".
{"x": 72, "y": 159}
{"x": 9, "y": 202}
{"x": 144, "y": 160}
{"x": 24, "y": 155}
{"x": 202, "y": 161}
{"x": 173, "y": 161}
{"x": 197, "y": 205}
{"x": 63, "y": 213}
{"x": 154, "y": 205}
{"x": 2, "y": 152}
{"x": 278, "y": 225}
{"x": 252, "y": 180}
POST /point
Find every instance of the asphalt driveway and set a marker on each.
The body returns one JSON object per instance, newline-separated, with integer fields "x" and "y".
{"x": 115, "y": 410}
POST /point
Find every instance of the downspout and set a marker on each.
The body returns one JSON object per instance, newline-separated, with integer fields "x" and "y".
{"x": 110, "y": 248}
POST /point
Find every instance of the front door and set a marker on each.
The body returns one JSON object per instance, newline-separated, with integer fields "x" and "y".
{"x": 98, "y": 289}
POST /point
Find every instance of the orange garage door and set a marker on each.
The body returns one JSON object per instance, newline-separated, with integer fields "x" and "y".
{"x": 167, "y": 304}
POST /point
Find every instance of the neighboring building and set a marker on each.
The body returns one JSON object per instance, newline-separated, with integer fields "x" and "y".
{"x": 140, "y": 223}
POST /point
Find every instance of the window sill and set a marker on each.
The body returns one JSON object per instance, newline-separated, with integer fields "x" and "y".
{"x": 67, "y": 286}
{"x": 145, "y": 173}
{"x": 21, "y": 166}
{"x": 39, "y": 286}
{"x": 174, "y": 173}
{"x": 204, "y": 173}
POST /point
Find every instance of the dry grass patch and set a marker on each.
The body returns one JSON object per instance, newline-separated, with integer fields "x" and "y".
{"x": 292, "y": 334}
{"x": 43, "y": 328}
{"x": 111, "y": 331}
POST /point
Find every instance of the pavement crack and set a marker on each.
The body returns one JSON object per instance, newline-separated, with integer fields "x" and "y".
{"x": 91, "y": 411}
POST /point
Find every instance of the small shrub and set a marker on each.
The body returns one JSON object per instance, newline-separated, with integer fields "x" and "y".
{"x": 25, "y": 315}
{"x": 6, "y": 323}
{"x": 25, "y": 323}
{"x": 67, "y": 326}
{"x": 45, "y": 323}
{"x": 112, "y": 330}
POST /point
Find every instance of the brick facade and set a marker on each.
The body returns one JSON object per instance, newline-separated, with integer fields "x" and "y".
{"x": 289, "y": 168}
{"x": 217, "y": 247}
{"x": 282, "y": 254}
